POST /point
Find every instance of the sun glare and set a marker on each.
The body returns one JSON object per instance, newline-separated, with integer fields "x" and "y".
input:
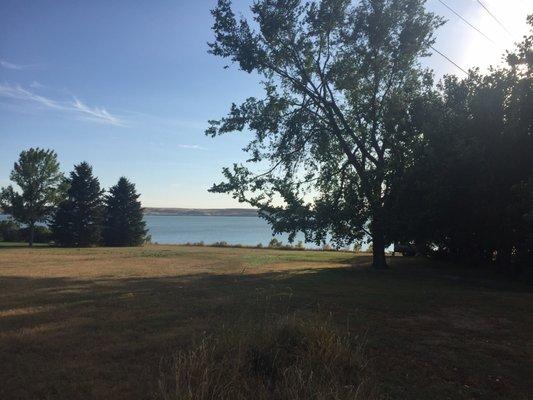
{"x": 478, "y": 50}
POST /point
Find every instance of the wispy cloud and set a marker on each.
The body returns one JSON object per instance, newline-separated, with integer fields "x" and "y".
{"x": 19, "y": 93}
{"x": 9, "y": 65}
{"x": 74, "y": 107}
{"x": 191, "y": 147}
{"x": 97, "y": 114}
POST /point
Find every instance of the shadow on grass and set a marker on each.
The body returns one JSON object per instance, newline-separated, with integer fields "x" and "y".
{"x": 23, "y": 245}
{"x": 430, "y": 334}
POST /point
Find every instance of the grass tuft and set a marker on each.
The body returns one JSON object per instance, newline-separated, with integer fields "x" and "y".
{"x": 287, "y": 358}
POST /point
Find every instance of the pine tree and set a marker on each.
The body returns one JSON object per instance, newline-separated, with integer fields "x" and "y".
{"x": 78, "y": 220}
{"x": 124, "y": 224}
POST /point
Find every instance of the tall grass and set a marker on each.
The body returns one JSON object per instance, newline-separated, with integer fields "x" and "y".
{"x": 282, "y": 359}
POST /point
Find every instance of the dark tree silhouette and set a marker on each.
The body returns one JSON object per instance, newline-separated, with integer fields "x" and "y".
{"x": 123, "y": 223}
{"x": 470, "y": 191}
{"x": 37, "y": 175}
{"x": 78, "y": 220}
{"x": 340, "y": 80}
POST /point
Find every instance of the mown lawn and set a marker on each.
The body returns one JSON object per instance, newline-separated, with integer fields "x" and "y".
{"x": 103, "y": 323}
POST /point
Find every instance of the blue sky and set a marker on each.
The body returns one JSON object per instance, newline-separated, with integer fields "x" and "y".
{"x": 128, "y": 86}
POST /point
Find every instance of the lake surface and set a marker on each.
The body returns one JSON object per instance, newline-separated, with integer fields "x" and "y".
{"x": 235, "y": 230}
{"x": 172, "y": 229}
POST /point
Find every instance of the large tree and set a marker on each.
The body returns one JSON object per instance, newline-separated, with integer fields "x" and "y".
{"x": 470, "y": 191}
{"x": 341, "y": 81}
{"x": 78, "y": 220}
{"x": 37, "y": 175}
{"x": 123, "y": 222}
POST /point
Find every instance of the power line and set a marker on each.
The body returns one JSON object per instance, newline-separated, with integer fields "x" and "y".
{"x": 449, "y": 59}
{"x": 494, "y": 17}
{"x": 468, "y": 23}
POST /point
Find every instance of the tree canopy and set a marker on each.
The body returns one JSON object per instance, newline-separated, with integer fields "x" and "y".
{"x": 339, "y": 115}
{"x": 470, "y": 191}
{"x": 123, "y": 222}
{"x": 38, "y": 178}
{"x": 78, "y": 220}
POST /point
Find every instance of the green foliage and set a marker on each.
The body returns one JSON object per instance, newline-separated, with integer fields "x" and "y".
{"x": 222, "y": 243}
{"x": 41, "y": 234}
{"x": 275, "y": 243}
{"x": 10, "y": 231}
{"x": 471, "y": 188}
{"x": 341, "y": 81}
{"x": 78, "y": 220}
{"x": 37, "y": 176}
{"x": 124, "y": 223}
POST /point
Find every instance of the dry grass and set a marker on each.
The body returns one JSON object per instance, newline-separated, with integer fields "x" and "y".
{"x": 96, "y": 323}
{"x": 280, "y": 359}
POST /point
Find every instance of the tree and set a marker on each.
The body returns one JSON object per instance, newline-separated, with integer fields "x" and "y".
{"x": 470, "y": 191}
{"x": 78, "y": 220}
{"x": 123, "y": 223}
{"x": 37, "y": 175}
{"x": 336, "y": 123}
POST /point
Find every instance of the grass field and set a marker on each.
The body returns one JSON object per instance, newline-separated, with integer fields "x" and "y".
{"x": 104, "y": 323}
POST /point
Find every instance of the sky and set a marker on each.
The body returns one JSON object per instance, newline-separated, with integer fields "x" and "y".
{"x": 128, "y": 86}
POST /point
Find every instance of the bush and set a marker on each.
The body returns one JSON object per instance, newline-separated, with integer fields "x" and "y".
{"x": 284, "y": 359}
{"x": 41, "y": 234}
{"x": 197, "y": 244}
{"x": 220, "y": 244}
{"x": 275, "y": 243}
{"x": 10, "y": 231}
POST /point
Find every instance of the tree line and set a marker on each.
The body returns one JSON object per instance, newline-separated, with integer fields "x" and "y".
{"x": 361, "y": 141}
{"x": 77, "y": 210}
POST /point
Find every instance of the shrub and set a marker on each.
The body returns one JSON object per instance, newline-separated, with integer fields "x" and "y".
{"x": 41, "y": 234}
{"x": 285, "y": 359}
{"x": 259, "y": 245}
{"x": 197, "y": 244}
{"x": 222, "y": 243}
{"x": 275, "y": 243}
{"x": 10, "y": 231}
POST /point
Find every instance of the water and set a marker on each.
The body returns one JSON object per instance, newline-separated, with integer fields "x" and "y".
{"x": 172, "y": 229}
{"x": 247, "y": 231}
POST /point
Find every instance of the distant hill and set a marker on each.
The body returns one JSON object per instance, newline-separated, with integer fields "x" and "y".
{"x": 206, "y": 212}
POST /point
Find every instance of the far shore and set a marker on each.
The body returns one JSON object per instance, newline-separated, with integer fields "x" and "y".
{"x": 205, "y": 212}
{"x": 200, "y": 212}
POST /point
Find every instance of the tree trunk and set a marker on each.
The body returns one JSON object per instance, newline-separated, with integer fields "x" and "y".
{"x": 32, "y": 234}
{"x": 378, "y": 242}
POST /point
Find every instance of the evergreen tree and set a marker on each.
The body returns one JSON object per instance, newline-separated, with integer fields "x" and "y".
{"x": 78, "y": 221}
{"x": 37, "y": 175}
{"x": 124, "y": 224}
